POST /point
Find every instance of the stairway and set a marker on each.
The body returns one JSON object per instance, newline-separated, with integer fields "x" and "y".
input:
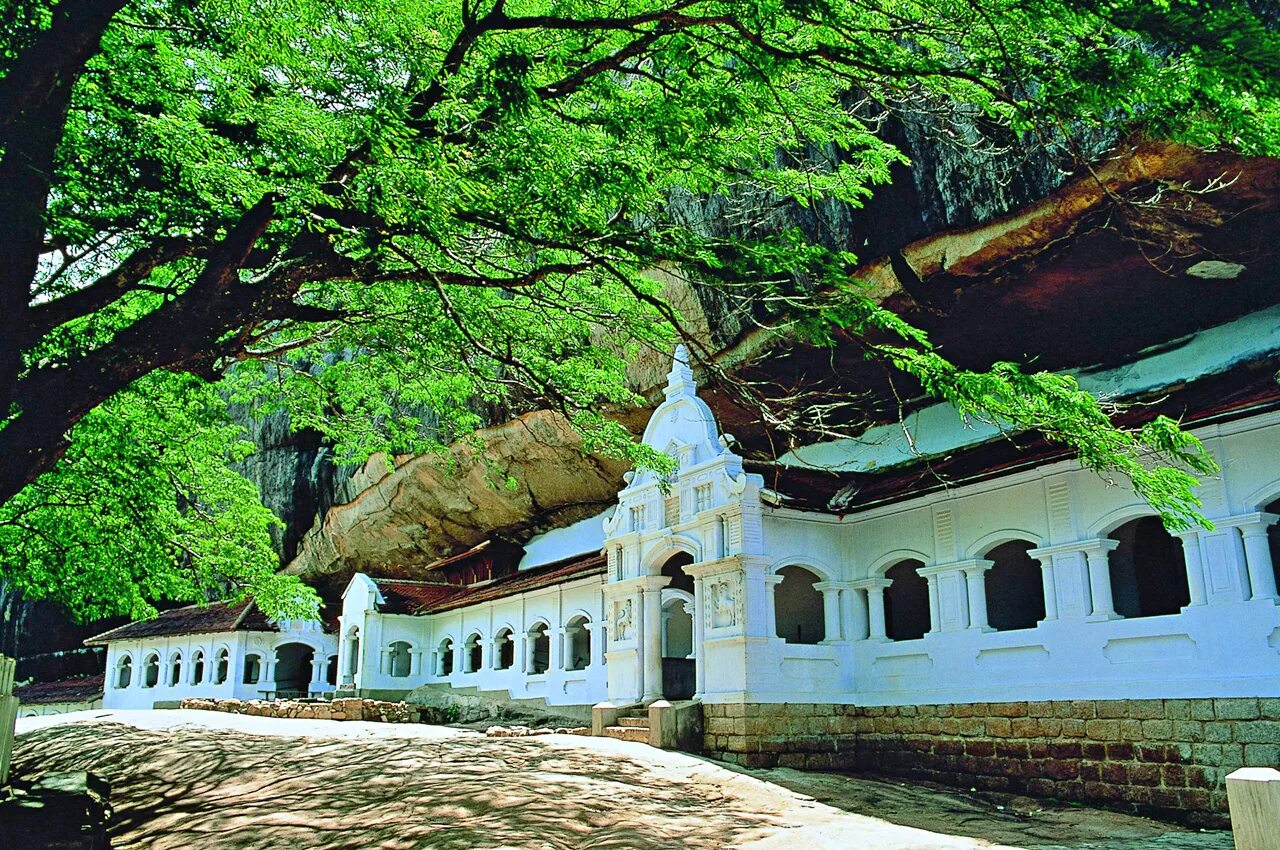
{"x": 633, "y": 725}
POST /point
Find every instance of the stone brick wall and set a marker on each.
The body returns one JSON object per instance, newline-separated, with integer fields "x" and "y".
{"x": 338, "y": 709}
{"x": 1163, "y": 758}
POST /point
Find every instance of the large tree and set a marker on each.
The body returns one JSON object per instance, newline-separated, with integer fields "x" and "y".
{"x": 356, "y": 211}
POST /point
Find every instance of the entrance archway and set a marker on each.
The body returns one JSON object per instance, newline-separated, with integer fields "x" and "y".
{"x": 293, "y": 669}
{"x": 679, "y": 668}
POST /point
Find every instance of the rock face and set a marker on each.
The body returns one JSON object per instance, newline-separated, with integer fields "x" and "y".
{"x": 526, "y": 474}
{"x": 952, "y": 182}
{"x": 997, "y": 255}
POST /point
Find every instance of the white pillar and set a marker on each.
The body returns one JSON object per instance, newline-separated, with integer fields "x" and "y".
{"x": 651, "y": 623}
{"x": 1050, "y": 590}
{"x": 597, "y": 644}
{"x": 384, "y": 660}
{"x": 699, "y": 634}
{"x": 1100, "y": 580}
{"x": 975, "y": 576}
{"x": 830, "y": 610}
{"x": 566, "y": 642}
{"x": 855, "y": 612}
{"x": 935, "y": 608}
{"x": 771, "y": 605}
{"x": 875, "y": 607}
{"x": 1257, "y": 553}
{"x": 1194, "y": 566}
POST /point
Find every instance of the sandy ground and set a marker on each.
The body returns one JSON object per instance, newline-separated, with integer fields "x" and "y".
{"x": 190, "y": 779}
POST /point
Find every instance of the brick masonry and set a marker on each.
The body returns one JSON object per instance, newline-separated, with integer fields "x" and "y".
{"x": 1161, "y": 758}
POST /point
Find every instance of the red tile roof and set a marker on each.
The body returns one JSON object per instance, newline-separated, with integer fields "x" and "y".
{"x": 411, "y": 597}
{"x": 192, "y": 620}
{"x": 79, "y": 689}
{"x": 547, "y": 575}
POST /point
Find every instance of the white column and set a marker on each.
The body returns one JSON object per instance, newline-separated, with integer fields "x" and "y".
{"x": 1100, "y": 579}
{"x": 699, "y": 634}
{"x": 830, "y": 610}
{"x": 975, "y": 576}
{"x": 771, "y": 605}
{"x": 1050, "y": 589}
{"x": 528, "y": 654}
{"x": 597, "y": 644}
{"x": 935, "y": 608}
{"x": 875, "y": 607}
{"x": 384, "y": 660}
{"x": 415, "y": 662}
{"x": 1257, "y": 553}
{"x": 1194, "y": 566}
{"x": 855, "y": 612}
{"x": 563, "y": 649}
{"x": 268, "y": 669}
{"x": 651, "y": 623}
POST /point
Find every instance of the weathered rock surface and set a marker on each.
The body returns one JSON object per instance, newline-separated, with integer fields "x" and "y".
{"x": 459, "y": 706}
{"x": 528, "y": 473}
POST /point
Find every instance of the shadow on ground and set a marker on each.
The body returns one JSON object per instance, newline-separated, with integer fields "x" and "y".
{"x": 190, "y": 788}
{"x": 1016, "y": 821}
{"x": 347, "y": 786}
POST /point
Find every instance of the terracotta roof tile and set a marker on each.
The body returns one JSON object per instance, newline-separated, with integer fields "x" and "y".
{"x": 67, "y": 690}
{"x": 193, "y": 619}
{"x": 547, "y": 575}
{"x": 411, "y": 597}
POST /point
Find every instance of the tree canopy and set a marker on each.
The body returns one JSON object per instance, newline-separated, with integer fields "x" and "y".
{"x": 356, "y": 211}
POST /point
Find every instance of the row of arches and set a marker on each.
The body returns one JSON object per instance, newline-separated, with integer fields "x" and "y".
{"x": 1146, "y": 569}
{"x": 293, "y": 668}
{"x": 472, "y": 657}
{"x": 150, "y": 673}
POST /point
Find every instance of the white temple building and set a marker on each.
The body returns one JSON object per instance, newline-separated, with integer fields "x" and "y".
{"x": 216, "y": 651}
{"x": 929, "y": 600}
{"x": 1043, "y": 582}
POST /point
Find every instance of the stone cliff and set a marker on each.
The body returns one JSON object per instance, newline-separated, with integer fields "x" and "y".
{"x": 998, "y": 254}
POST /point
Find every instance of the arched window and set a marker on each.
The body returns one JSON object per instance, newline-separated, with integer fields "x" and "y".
{"x": 151, "y": 671}
{"x": 124, "y": 672}
{"x": 504, "y": 650}
{"x": 1014, "y": 587}
{"x": 674, "y": 570}
{"x": 906, "y": 601}
{"x": 473, "y": 653}
{"x": 175, "y": 669}
{"x": 1148, "y": 570}
{"x": 222, "y": 668}
{"x": 539, "y": 649}
{"x": 577, "y": 639}
{"x": 252, "y": 669}
{"x": 197, "y": 667}
{"x": 798, "y": 607}
{"x": 398, "y": 660}
{"x": 444, "y": 657}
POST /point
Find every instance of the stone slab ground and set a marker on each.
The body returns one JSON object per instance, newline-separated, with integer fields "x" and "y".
{"x": 183, "y": 779}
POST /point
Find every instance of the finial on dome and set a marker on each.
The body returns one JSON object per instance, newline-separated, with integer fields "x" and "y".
{"x": 680, "y": 378}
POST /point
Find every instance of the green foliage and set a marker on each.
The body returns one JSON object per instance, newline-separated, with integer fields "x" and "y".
{"x": 467, "y": 200}
{"x": 143, "y": 507}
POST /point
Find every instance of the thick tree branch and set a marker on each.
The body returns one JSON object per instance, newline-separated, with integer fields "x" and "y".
{"x": 111, "y": 286}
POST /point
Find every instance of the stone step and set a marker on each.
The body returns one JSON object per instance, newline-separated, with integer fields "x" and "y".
{"x": 634, "y": 722}
{"x": 634, "y": 712}
{"x": 627, "y": 733}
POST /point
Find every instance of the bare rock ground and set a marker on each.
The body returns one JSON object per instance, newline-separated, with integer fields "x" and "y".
{"x": 191, "y": 779}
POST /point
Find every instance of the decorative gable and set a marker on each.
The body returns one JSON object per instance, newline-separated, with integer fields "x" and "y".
{"x": 700, "y": 507}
